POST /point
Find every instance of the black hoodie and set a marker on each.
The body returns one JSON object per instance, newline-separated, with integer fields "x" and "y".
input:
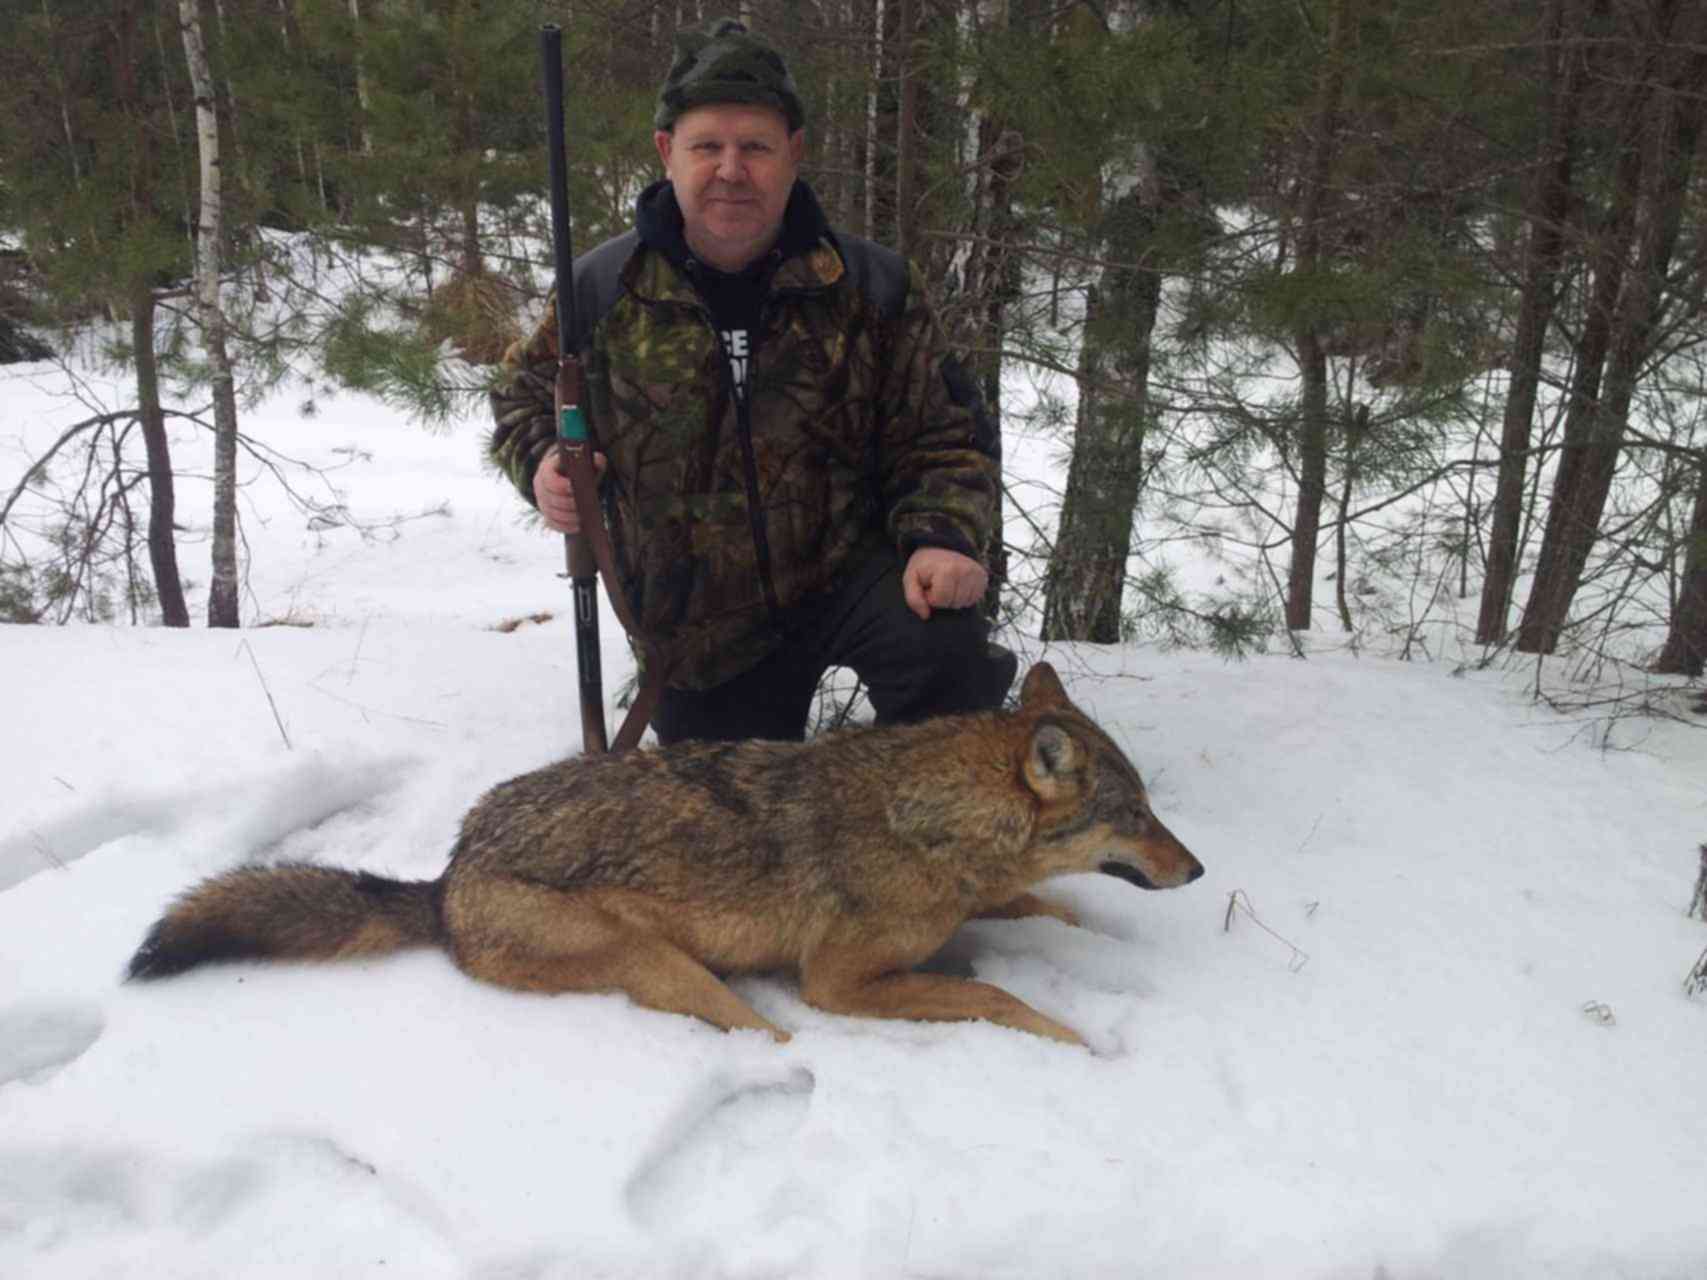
{"x": 734, "y": 298}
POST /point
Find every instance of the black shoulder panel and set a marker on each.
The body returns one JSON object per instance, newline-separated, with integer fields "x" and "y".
{"x": 598, "y": 281}
{"x": 878, "y": 273}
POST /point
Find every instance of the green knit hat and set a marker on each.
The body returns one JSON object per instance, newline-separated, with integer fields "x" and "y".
{"x": 724, "y": 62}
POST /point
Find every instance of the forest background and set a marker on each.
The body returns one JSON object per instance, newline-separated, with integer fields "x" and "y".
{"x": 1389, "y": 314}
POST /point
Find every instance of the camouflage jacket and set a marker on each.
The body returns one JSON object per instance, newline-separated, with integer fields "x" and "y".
{"x": 724, "y": 511}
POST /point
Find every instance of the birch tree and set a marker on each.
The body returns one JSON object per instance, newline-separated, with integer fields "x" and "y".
{"x": 363, "y": 96}
{"x": 222, "y": 608}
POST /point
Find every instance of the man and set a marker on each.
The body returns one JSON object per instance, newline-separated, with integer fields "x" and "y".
{"x": 794, "y": 472}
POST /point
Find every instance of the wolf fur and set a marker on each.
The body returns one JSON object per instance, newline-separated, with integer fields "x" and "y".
{"x": 848, "y": 859}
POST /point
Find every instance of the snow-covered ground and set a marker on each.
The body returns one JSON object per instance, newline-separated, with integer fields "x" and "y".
{"x": 1423, "y": 1017}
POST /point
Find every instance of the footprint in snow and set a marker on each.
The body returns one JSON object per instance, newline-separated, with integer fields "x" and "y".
{"x": 721, "y": 1159}
{"x": 38, "y": 1041}
{"x": 277, "y": 816}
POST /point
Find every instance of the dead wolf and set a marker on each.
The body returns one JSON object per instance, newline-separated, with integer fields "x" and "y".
{"x": 848, "y": 859}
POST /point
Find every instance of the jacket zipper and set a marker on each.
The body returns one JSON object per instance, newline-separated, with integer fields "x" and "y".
{"x": 744, "y": 430}
{"x": 750, "y": 462}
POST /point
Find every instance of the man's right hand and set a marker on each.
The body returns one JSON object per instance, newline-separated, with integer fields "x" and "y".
{"x": 551, "y": 492}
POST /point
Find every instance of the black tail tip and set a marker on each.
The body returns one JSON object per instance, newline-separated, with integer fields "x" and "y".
{"x": 163, "y": 955}
{"x": 142, "y": 968}
{"x": 152, "y": 961}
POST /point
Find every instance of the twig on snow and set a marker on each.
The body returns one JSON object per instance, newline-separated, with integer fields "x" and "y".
{"x": 277, "y": 719}
{"x": 1695, "y": 982}
{"x": 1596, "y": 1011}
{"x": 1698, "y": 903}
{"x": 1239, "y": 900}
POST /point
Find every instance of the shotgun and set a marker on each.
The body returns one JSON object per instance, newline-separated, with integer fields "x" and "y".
{"x": 573, "y": 444}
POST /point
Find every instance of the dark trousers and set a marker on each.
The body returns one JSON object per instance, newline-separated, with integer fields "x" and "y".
{"x": 912, "y": 667}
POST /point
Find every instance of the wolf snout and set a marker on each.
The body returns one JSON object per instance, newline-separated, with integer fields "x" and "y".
{"x": 1178, "y": 864}
{"x": 1130, "y": 874}
{"x": 1186, "y": 869}
{"x": 1156, "y": 861}
{"x": 1182, "y": 874}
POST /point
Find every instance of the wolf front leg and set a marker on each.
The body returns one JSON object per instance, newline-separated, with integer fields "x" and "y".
{"x": 1026, "y": 906}
{"x": 530, "y": 938}
{"x": 848, "y": 980}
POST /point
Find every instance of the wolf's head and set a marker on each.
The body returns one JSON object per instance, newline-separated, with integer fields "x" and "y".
{"x": 1094, "y": 814}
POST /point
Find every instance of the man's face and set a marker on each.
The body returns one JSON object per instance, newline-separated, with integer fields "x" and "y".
{"x": 732, "y": 166}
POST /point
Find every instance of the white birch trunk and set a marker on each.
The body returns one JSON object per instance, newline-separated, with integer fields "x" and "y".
{"x": 361, "y": 79}
{"x": 871, "y": 141}
{"x": 222, "y": 591}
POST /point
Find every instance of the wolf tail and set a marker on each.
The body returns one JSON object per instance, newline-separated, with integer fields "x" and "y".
{"x": 293, "y": 911}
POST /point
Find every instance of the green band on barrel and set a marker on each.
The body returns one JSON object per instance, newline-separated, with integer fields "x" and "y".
{"x": 572, "y": 424}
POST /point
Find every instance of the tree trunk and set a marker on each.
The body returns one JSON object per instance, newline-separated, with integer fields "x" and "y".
{"x": 1550, "y": 594}
{"x": 150, "y": 147}
{"x": 1667, "y": 117}
{"x": 1562, "y": 88}
{"x": 985, "y": 279}
{"x": 990, "y": 285}
{"x": 233, "y": 125}
{"x": 222, "y": 610}
{"x": 906, "y": 127}
{"x": 1312, "y": 357}
{"x": 64, "y": 106}
{"x": 467, "y": 137}
{"x": 1312, "y": 477}
{"x": 883, "y": 126}
{"x": 162, "y": 501}
{"x": 362, "y": 95}
{"x": 1087, "y": 566}
{"x": 832, "y": 135}
{"x": 301, "y": 152}
{"x": 1354, "y": 434}
{"x": 1685, "y": 650}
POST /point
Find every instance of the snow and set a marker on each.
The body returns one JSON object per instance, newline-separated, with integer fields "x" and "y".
{"x": 1423, "y": 1016}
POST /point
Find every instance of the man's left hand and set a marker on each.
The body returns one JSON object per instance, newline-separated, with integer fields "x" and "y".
{"x": 937, "y": 578}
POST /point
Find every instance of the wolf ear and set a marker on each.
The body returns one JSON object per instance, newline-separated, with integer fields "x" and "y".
{"x": 1042, "y": 688}
{"x": 1054, "y": 761}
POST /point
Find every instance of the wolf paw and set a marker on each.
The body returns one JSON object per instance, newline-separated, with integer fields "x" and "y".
{"x": 1044, "y": 908}
{"x": 38, "y": 1041}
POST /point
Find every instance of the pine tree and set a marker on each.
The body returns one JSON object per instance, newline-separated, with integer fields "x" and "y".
{"x": 94, "y": 181}
{"x": 1564, "y": 63}
{"x": 1137, "y": 156}
{"x": 1685, "y": 648}
{"x": 1662, "y": 115}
